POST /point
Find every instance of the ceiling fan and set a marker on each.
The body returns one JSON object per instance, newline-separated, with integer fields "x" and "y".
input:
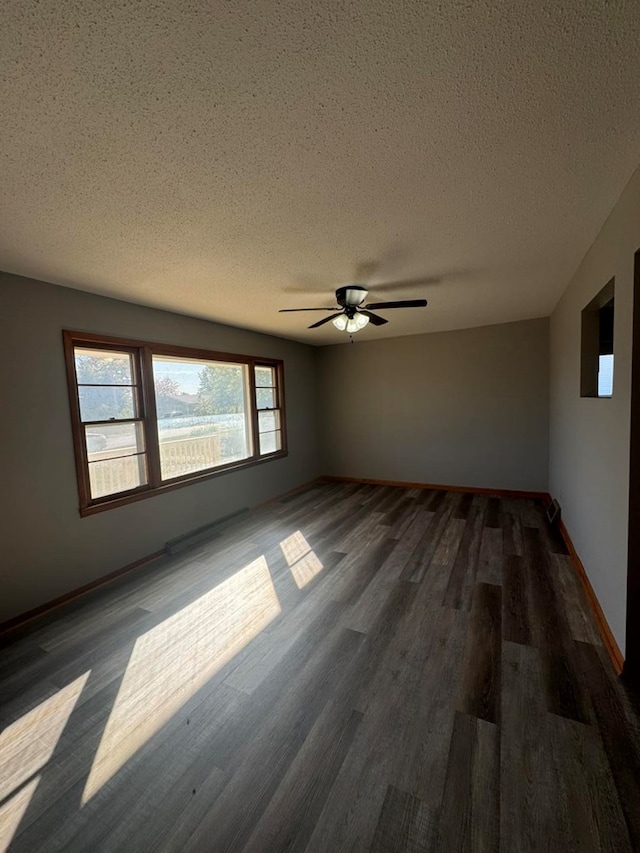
{"x": 353, "y": 314}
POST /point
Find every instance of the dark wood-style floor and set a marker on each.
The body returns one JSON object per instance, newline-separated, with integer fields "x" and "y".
{"x": 353, "y": 668}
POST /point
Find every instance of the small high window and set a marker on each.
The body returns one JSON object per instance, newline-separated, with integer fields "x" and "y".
{"x": 596, "y": 376}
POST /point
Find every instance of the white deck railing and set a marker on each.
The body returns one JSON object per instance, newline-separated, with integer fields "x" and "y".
{"x": 177, "y": 457}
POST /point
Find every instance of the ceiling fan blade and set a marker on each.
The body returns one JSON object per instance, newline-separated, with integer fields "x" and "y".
{"x": 320, "y": 322}
{"x": 288, "y": 310}
{"x": 373, "y": 318}
{"x": 403, "y": 303}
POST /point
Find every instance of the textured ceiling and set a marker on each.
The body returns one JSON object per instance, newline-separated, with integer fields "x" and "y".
{"x": 226, "y": 159}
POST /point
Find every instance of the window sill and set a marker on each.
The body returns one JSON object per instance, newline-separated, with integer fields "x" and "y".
{"x": 142, "y": 494}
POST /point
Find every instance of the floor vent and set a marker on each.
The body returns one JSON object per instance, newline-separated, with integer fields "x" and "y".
{"x": 553, "y": 512}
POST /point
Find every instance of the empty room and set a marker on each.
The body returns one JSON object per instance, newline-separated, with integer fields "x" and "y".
{"x": 320, "y": 434}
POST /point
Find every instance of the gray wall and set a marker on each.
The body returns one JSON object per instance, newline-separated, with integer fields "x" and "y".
{"x": 466, "y": 408}
{"x": 46, "y": 548}
{"x": 589, "y": 438}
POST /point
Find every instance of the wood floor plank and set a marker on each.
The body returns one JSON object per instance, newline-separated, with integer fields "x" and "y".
{"x": 570, "y": 592}
{"x": 233, "y": 740}
{"x": 24, "y": 656}
{"x": 516, "y": 627}
{"x": 463, "y": 505}
{"x": 388, "y": 748}
{"x": 415, "y": 518}
{"x": 405, "y": 825}
{"x": 470, "y": 815}
{"x": 431, "y": 499}
{"x": 490, "y": 558}
{"x": 359, "y": 532}
{"x": 449, "y": 544}
{"x": 396, "y": 497}
{"x": 480, "y": 692}
{"x": 439, "y": 684}
{"x": 400, "y": 511}
{"x": 463, "y": 575}
{"x": 492, "y": 518}
{"x": 257, "y": 662}
{"x": 551, "y": 633}
{"x": 595, "y": 820}
{"x": 620, "y": 732}
{"x": 360, "y": 568}
{"x": 75, "y": 656}
{"x": 530, "y": 806}
{"x": 432, "y": 654}
{"x": 290, "y": 818}
{"x": 423, "y": 497}
{"x": 363, "y": 613}
{"x": 68, "y": 822}
{"x": 381, "y": 633}
{"x": 226, "y": 828}
{"x": 387, "y": 744}
{"x": 427, "y": 546}
{"x": 529, "y": 513}
{"x": 554, "y": 540}
{"x": 554, "y": 779}
{"x": 164, "y": 795}
{"x": 168, "y": 837}
{"x": 513, "y": 542}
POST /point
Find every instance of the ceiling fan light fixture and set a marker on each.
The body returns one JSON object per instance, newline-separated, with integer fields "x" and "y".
{"x": 340, "y": 322}
{"x": 357, "y": 322}
{"x": 361, "y": 320}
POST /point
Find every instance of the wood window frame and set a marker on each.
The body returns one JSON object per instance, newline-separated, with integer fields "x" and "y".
{"x": 143, "y": 352}
{"x": 278, "y": 390}
{"x": 590, "y": 341}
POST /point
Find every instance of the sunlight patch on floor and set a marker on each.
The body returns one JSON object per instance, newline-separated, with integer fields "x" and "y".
{"x": 25, "y": 747}
{"x": 172, "y": 661}
{"x": 27, "y": 744}
{"x": 301, "y": 559}
{"x": 12, "y": 811}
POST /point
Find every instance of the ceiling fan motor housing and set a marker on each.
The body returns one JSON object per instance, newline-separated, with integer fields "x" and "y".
{"x": 351, "y": 295}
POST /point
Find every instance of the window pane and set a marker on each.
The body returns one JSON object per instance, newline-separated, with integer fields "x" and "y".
{"x": 266, "y": 398}
{"x": 268, "y": 421}
{"x": 265, "y": 377}
{"x": 109, "y": 440}
{"x": 270, "y": 442}
{"x": 605, "y": 375}
{"x": 110, "y": 476}
{"x": 103, "y": 367}
{"x": 106, "y": 402}
{"x": 202, "y": 420}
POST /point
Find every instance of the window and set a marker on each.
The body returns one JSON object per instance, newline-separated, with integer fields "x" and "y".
{"x": 149, "y": 417}
{"x": 110, "y": 412}
{"x": 269, "y": 409}
{"x": 596, "y": 375}
{"x": 203, "y": 414}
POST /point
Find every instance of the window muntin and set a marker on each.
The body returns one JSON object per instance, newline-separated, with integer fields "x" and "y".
{"x": 150, "y": 417}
